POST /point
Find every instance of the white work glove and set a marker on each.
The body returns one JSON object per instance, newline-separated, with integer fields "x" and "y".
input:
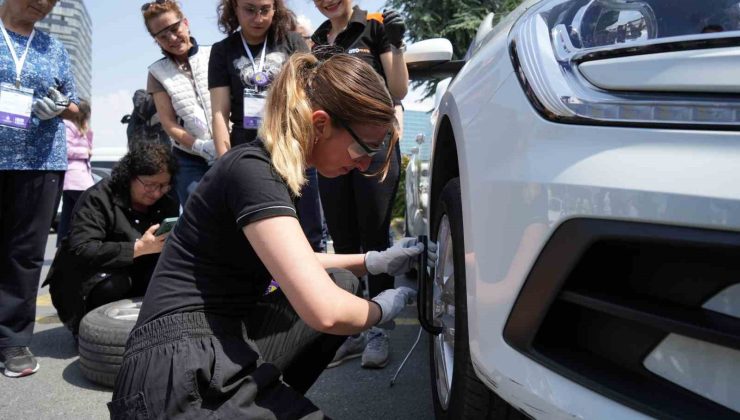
{"x": 50, "y": 106}
{"x": 205, "y": 149}
{"x": 395, "y": 260}
{"x": 392, "y": 302}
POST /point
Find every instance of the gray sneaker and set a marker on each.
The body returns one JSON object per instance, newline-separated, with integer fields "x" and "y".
{"x": 18, "y": 362}
{"x": 375, "y": 355}
{"x": 351, "y": 348}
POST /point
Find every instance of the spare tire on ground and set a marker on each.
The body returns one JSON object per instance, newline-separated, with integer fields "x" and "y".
{"x": 102, "y": 339}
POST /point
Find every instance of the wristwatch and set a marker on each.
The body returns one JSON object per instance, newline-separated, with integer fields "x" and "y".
{"x": 401, "y": 48}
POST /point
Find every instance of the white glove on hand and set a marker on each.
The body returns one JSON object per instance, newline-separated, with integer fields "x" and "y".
{"x": 392, "y": 301}
{"x": 205, "y": 149}
{"x": 50, "y": 106}
{"x": 395, "y": 260}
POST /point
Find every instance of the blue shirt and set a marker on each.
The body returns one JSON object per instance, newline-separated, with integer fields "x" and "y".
{"x": 43, "y": 146}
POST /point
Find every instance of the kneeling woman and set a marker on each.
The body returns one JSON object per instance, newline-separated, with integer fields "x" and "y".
{"x": 208, "y": 341}
{"x": 111, "y": 249}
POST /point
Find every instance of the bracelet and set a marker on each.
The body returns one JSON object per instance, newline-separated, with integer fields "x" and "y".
{"x": 401, "y": 48}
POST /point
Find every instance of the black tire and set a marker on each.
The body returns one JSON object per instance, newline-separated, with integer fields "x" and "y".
{"x": 102, "y": 340}
{"x": 469, "y": 397}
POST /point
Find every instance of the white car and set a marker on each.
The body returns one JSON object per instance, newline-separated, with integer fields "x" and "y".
{"x": 584, "y": 202}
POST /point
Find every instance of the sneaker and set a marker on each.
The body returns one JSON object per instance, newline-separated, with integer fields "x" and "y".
{"x": 375, "y": 355}
{"x": 351, "y": 348}
{"x": 18, "y": 361}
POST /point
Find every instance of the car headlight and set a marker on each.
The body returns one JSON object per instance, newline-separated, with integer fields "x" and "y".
{"x": 555, "y": 41}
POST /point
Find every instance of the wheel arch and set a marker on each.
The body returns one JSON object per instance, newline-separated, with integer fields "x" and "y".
{"x": 445, "y": 163}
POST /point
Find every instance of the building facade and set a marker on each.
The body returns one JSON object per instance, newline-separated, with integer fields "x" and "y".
{"x": 70, "y": 23}
{"x": 415, "y": 123}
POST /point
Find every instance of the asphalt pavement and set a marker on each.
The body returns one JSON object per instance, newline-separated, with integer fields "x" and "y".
{"x": 59, "y": 391}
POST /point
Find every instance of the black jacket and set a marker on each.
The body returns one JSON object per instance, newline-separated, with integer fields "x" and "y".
{"x": 103, "y": 230}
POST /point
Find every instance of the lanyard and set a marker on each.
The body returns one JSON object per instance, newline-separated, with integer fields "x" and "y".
{"x": 251, "y": 58}
{"x": 14, "y": 55}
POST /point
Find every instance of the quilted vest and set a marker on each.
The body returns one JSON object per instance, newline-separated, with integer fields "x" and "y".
{"x": 190, "y": 98}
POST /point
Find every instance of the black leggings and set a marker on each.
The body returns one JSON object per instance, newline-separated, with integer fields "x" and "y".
{"x": 358, "y": 209}
{"x": 198, "y": 364}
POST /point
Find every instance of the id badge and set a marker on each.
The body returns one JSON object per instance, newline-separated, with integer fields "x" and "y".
{"x": 15, "y": 106}
{"x": 254, "y": 108}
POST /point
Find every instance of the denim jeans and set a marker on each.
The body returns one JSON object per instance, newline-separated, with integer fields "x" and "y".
{"x": 191, "y": 170}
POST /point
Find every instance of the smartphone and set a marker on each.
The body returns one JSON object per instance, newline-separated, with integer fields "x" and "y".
{"x": 166, "y": 226}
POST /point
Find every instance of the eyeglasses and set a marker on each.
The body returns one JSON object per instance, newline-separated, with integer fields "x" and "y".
{"x": 165, "y": 33}
{"x": 252, "y": 11}
{"x": 359, "y": 148}
{"x": 147, "y": 5}
{"x": 152, "y": 187}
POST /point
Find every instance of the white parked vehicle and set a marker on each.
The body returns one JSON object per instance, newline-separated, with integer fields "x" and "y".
{"x": 584, "y": 200}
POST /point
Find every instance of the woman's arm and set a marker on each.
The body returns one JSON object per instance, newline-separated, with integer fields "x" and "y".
{"x": 396, "y": 73}
{"x": 352, "y": 262}
{"x": 221, "y": 109}
{"x": 281, "y": 245}
{"x": 71, "y": 112}
{"x": 168, "y": 118}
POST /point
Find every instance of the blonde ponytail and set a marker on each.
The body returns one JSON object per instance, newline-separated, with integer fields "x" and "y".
{"x": 287, "y": 129}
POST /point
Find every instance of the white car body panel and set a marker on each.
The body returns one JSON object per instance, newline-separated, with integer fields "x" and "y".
{"x": 508, "y": 152}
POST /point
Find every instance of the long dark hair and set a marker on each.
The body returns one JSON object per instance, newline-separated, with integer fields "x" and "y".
{"x": 228, "y": 23}
{"x": 143, "y": 159}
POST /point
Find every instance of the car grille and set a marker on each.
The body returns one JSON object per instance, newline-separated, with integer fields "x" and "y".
{"x": 603, "y": 294}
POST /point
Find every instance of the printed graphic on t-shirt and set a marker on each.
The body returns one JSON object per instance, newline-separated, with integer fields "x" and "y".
{"x": 273, "y": 63}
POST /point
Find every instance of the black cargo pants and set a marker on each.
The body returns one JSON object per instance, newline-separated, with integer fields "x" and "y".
{"x": 199, "y": 365}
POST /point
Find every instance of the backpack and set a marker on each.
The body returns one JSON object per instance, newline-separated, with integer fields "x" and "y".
{"x": 143, "y": 122}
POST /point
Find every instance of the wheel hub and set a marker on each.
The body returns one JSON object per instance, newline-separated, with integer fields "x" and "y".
{"x": 443, "y": 311}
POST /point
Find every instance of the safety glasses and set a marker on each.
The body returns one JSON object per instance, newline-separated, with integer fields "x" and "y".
{"x": 359, "y": 148}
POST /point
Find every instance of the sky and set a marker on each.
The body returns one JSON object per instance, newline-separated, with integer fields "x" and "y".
{"x": 123, "y": 49}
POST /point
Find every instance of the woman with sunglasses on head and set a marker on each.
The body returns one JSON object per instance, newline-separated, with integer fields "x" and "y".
{"x": 178, "y": 83}
{"x": 357, "y": 208}
{"x": 111, "y": 249}
{"x": 209, "y": 342}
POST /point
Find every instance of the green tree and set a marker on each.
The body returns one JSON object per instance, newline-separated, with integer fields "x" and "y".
{"x": 456, "y": 20}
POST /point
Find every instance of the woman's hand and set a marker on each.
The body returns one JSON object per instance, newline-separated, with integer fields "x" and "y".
{"x": 392, "y": 302}
{"x": 148, "y": 243}
{"x": 395, "y": 260}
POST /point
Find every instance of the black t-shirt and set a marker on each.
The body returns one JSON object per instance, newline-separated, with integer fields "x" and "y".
{"x": 230, "y": 66}
{"x": 363, "y": 38}
{"x": 207, "y": 263}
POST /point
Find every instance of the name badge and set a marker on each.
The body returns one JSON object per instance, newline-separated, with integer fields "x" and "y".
{"x": 254, "y": 108}
{"x": 15, "y": 106}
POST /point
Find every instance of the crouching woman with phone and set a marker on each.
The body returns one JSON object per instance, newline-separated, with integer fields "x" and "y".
{"x": 112, "y": 246}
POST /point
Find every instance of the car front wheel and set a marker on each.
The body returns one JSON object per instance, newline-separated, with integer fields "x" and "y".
{"x": 457, "y": 391}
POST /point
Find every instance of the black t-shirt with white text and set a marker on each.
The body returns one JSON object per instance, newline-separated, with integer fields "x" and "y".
{"x": 363, "y": 38}
{"x": 207, "y": 263}
{"x": 230, "y": 66}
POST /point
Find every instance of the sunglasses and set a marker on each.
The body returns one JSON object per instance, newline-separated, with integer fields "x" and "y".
{"x": 147, "y": 5}
{"x": 166, "y": 32}
{"x": 359, "y": 148}
{"x": 154, "y": 187}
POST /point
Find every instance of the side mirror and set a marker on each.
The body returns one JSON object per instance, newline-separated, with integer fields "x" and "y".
{"x": 431, "y": 58}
